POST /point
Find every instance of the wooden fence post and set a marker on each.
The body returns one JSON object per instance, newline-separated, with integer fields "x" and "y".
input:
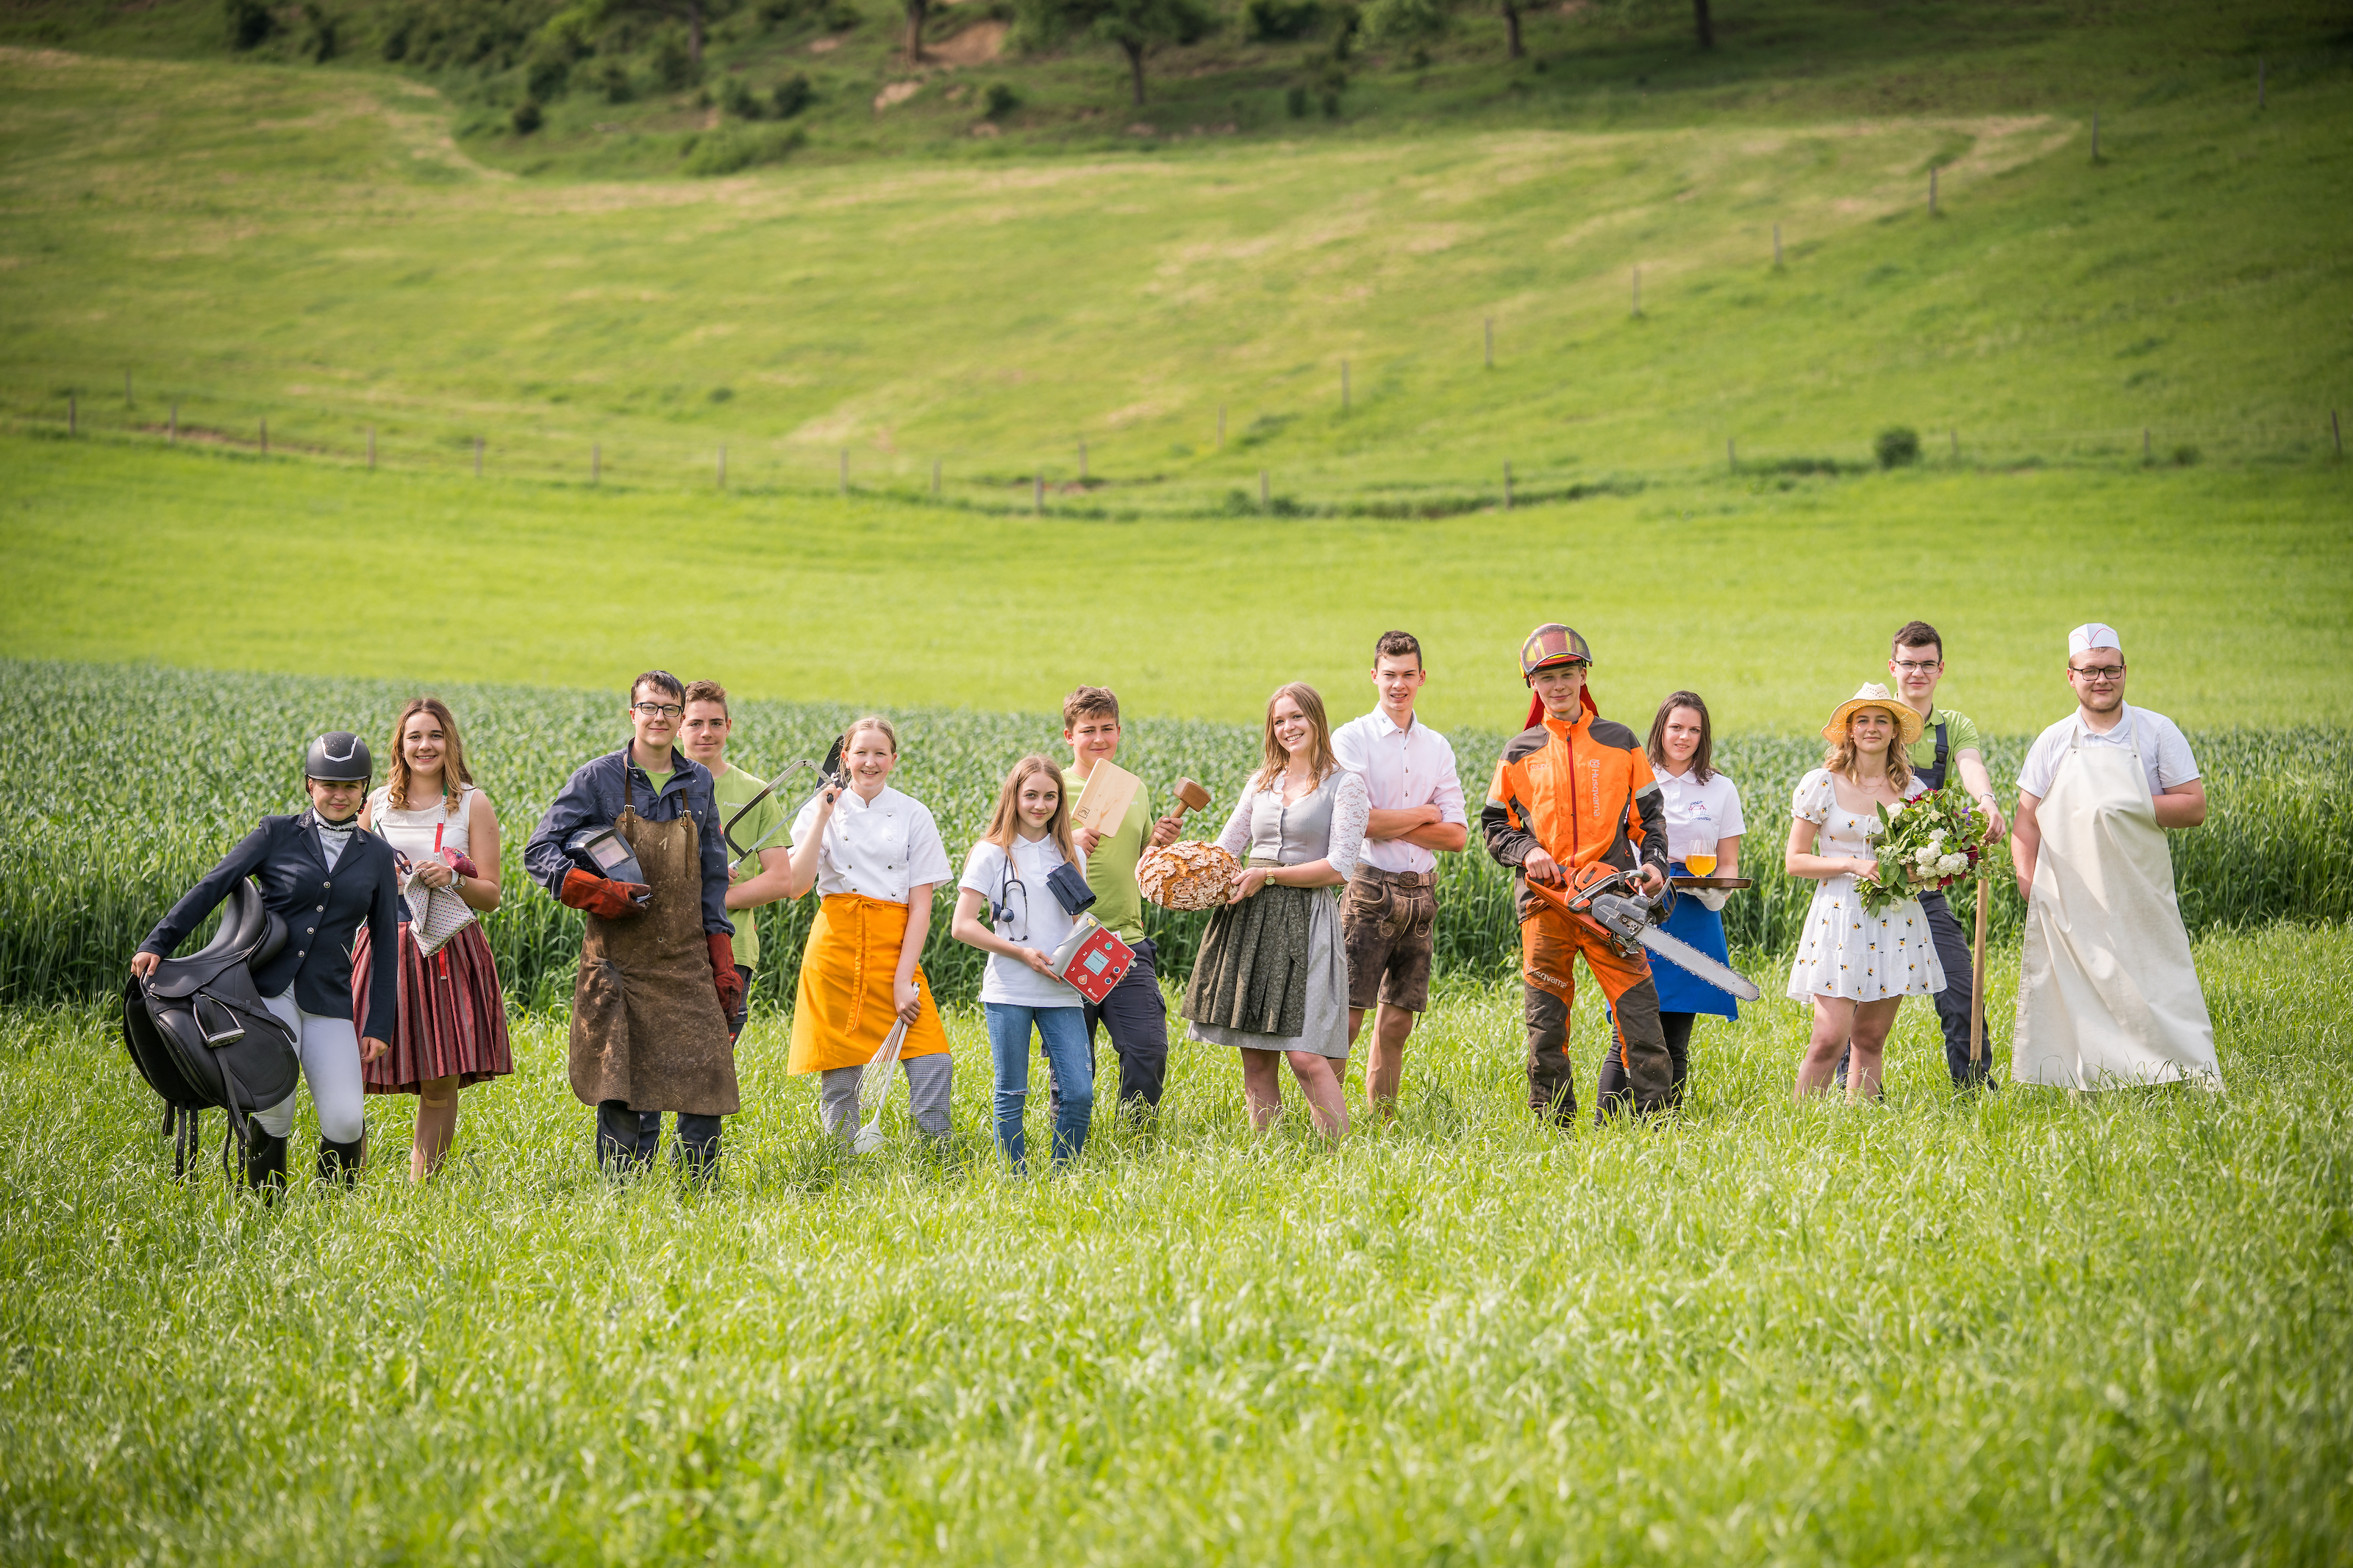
{"x": 1261, "y": 489}
{"x": 73, "y": 414}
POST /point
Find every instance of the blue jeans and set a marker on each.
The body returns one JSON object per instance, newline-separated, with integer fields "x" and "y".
{"x": 1063, "y": 1031}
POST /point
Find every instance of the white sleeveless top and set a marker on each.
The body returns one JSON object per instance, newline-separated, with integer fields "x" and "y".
{"x": 411, "y": 832}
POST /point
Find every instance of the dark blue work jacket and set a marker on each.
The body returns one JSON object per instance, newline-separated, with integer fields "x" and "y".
{"x": 322, "y": 910}
{"x": 593, "y": 797}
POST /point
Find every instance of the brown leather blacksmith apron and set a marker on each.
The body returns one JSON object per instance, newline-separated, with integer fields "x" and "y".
{"x": 646, "y": 1023}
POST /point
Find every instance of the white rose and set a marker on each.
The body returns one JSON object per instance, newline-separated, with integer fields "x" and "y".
{"x": 1952, "y": 864}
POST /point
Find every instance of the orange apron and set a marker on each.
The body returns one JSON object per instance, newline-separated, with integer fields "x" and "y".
{"x": 842, "y": 1008}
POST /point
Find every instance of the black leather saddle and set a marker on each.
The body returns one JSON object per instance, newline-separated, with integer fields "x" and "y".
{"x": 199, "y": 1032}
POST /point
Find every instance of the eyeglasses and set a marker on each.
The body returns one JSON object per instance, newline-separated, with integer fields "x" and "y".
{"x": 2101, "y": 673}
{"x": 1917, "y": 666}
{"x": 659, "y": 710}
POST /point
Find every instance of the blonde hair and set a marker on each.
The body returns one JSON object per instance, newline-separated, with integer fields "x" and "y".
{"x": 454, "y": 776}
{"x": 1840, "y": 755}
{"x": 871, "y": 722}
{"x": 1003, "y": 825}
{"x": 1278, "y": 761}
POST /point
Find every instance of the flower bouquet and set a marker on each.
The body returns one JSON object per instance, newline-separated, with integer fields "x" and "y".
{"x": 1924, "y": 844}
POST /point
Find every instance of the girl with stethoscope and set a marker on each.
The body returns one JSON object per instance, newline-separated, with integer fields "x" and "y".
{"x": 1010, "y": 868}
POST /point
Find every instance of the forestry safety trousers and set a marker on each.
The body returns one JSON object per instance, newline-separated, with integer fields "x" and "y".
{"x": 1550, "y": 941}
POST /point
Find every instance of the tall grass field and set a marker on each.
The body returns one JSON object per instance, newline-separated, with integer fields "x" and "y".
{"x": 134, "y": 781}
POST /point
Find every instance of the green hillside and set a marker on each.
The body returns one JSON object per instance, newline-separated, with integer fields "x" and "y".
{"x": 310, "y": 247}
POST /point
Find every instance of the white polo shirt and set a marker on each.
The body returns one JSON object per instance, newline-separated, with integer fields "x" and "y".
{"x": 878, "y": 848}
{"x": 1691, "y": 807}
{"x": 2164, "y": 750}
{"x": 1401, "y": 769}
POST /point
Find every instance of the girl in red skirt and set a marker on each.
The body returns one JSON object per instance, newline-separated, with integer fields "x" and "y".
{"x": 453, "y": 1026}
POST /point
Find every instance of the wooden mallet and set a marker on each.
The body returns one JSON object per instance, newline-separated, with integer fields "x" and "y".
{"x": 1190, "y": 796}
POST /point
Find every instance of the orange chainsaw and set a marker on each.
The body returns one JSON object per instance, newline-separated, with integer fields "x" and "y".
{"x": 1613, "y": 902}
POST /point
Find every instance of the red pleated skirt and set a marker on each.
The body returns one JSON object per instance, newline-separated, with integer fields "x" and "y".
{"x": 453, "y": 1023}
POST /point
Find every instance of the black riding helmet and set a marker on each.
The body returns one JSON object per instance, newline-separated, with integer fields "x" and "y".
{"x": 338, "y": 757}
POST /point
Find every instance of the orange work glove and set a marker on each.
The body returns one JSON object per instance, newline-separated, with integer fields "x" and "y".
{"x": 602, "y": 897}
{"x": 723, "y": 975}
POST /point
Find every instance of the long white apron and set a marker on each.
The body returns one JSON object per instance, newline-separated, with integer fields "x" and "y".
{"x": 2107, "y": 995}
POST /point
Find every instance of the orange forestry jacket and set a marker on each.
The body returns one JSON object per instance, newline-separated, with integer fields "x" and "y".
{"x": 1583, "y": 792}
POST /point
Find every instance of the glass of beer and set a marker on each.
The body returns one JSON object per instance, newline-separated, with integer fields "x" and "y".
{"x": 1700, "y": 858}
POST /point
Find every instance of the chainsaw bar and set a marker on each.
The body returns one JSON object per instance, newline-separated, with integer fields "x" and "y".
{"x": 1692, "y": 960}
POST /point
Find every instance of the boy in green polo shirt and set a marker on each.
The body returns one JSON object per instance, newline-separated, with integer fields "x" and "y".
{"x": 1948, "y": 740}
{"x": 1134, "y": 1013}
{"x": 766, "y": 877}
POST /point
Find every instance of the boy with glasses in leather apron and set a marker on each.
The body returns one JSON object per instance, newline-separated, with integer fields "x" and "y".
{"x": 658, "y": 979}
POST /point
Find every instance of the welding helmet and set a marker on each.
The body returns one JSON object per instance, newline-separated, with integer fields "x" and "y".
{"x": 603, "y": 852}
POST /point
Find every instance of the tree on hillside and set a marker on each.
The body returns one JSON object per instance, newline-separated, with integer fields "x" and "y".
{"x": 694, "y": 13}
{"x": 1706, "y": 27}
{"x": 1137, "y": 27}
{"x": 1421, "y": 21}
{"x": 1512, "y": 48}
{"x": 918, "y": 12}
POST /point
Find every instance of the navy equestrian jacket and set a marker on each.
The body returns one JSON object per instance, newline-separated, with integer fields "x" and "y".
{"x": 322, "y": 910}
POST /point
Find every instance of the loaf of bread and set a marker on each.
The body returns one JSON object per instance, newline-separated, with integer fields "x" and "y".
{"x": 1186, "y": 876}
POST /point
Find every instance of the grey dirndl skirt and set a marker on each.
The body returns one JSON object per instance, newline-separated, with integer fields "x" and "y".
{"x": 1273, "y": 975}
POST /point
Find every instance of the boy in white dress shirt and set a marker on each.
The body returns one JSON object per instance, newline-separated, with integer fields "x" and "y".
{"x": 1391, "y": 909}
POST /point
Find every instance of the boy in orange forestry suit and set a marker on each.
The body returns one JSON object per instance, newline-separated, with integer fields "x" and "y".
{"x": 1574, "y": 790}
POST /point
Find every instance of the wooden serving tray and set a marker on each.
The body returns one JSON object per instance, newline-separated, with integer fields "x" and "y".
{"x": 1713, "y": 883}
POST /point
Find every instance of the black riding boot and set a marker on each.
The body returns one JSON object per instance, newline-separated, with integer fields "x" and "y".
{"x": 264, "y": 1160}
{"x": 341, "y": 1159}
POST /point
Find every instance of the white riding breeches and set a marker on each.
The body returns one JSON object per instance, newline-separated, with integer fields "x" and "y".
{"x": 330, "y": 1054}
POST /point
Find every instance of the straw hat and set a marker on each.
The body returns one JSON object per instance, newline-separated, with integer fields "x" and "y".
{"x": 1873, "y": 695}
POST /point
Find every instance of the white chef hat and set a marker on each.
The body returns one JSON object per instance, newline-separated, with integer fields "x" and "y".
{"x": 2092, "y": 634}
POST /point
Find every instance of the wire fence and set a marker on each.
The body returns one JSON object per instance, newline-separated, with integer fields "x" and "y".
{"x": 1070, "y": 479}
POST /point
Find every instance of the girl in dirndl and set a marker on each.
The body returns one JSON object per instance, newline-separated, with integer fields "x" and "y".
{"x": 1271, "y": 979}
{"x": 453, "y": 1021}
{"x": 1702, "y": 807}
{"x": 874, "y": 856}
{"x": 1856, "y": 967}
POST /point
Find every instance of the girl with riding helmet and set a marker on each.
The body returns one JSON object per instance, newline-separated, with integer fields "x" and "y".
{"x": 453, "y": 1023}
{"x": 326, "y": 879}
{"x": 874, "y": 856}
{"x": 1854, "y": 966}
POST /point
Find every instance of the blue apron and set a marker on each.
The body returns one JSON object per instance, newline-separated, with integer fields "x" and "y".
{"x": 1679, "y": 990}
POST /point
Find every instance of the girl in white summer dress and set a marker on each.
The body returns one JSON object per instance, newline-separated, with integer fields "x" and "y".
{"x": 1855, "y": 967}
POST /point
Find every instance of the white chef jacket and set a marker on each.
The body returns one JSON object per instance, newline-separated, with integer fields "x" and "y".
{"x": 2164, "y": 750}
{"x": 1401, "y": 769}
{"x": 878, "y": 848}
{"x": 1687, "y": 802}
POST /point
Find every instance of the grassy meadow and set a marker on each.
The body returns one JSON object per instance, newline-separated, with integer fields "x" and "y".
{"x": 2020, "y": 1327}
